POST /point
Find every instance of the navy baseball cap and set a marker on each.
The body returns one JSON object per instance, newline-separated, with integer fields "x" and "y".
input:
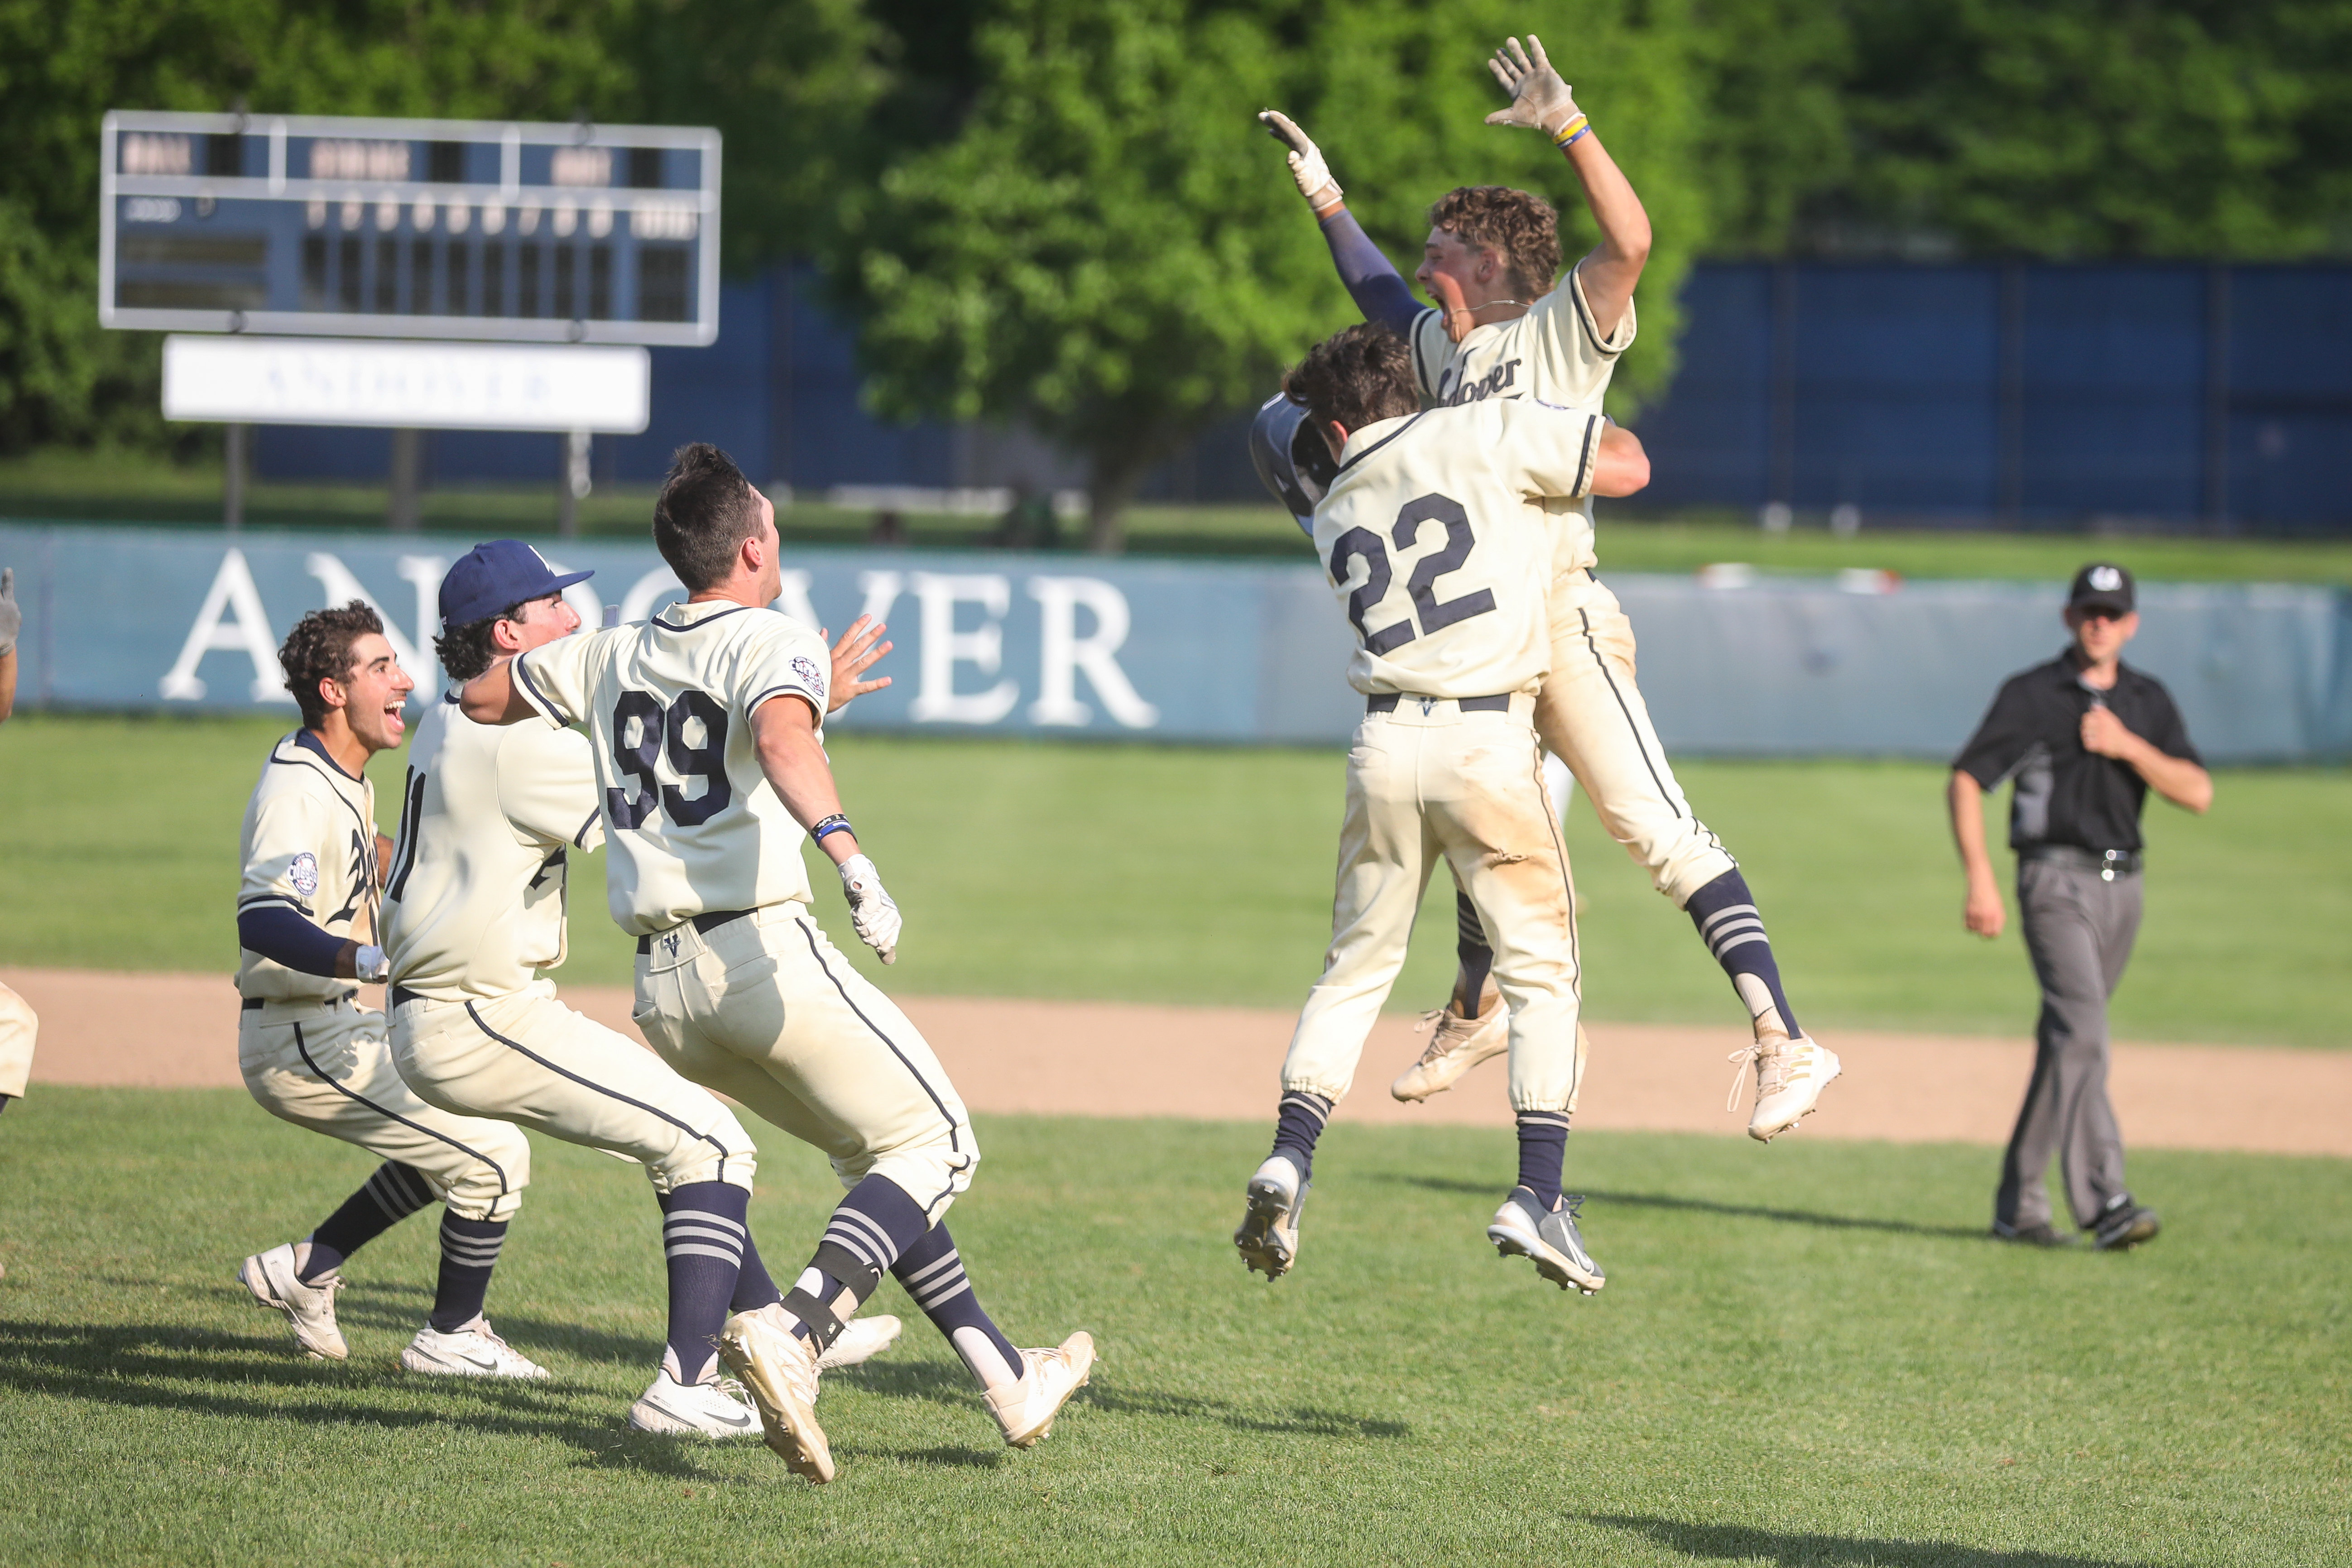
{"x": 493, "y": 577}
{"x": 2102, "y": 586}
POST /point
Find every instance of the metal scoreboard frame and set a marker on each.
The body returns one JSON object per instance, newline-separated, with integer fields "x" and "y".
{"x": 318, "y": 224}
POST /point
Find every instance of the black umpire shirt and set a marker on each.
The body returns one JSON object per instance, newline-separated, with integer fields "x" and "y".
{"x": 2065, "y": 795}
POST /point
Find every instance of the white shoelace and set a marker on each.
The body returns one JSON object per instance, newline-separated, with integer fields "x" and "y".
{"x": 1771, "y": 1061}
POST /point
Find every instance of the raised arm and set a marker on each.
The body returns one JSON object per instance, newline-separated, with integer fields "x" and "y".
{"x": 784, "y": 731}
{"x": 492, "y": 698}
{"x": 1620, "y": 465}
{"x": 1379, "y": 291}
{"x": 1541, "y": 100}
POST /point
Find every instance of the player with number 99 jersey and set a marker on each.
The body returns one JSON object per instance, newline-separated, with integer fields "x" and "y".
{"x": 691, "y": 824}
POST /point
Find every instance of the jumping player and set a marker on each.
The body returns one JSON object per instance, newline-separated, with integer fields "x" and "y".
{"x": 706, "y": 725}
{"x": 1440, "y": 562}
{"x": 474, "y": 917}
{"x": 1500, "y": 330}
{"x": 306, "y": 917}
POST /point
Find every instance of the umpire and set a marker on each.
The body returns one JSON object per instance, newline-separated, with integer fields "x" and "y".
{"x": 2084, "y": 737}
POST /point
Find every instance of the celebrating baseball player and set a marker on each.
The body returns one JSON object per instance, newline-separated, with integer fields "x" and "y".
{"x": 706, "y": 725}
{"x": 1441, "y": 562}
{"x": 306, "y": 917}
{"x": 475, "y": 915}
{"x": 1500, "y": 330}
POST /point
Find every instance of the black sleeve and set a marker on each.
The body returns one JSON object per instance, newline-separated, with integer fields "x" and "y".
{"x": 2168, "y": 732}
{"x": 2003, "y": 739}
{"x": 277, "y": 933}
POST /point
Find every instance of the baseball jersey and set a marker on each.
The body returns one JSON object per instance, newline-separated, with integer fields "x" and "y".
{"x": 1553, "y": 354}
{"x": 691, "y": 823}
{"x": 309, "y": 843}
{"x": 476, "y": 905}
{"x": 1435, "y": 540}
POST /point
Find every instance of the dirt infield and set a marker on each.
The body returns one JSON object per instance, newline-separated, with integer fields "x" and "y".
{"x": 1097, "y": 1058}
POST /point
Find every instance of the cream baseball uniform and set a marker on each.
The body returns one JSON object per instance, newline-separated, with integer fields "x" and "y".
{"x": 474, "y": 914}
{"x": 1437, "y": 543}
{"x": 17, "y": 1028}
{"x": 1591, "y": 713}
{"x": 737, "y": 987}
{"x": 308, "y": 1051}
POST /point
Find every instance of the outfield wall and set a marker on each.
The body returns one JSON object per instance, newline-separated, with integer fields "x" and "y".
{"x": 1070, "y": 645}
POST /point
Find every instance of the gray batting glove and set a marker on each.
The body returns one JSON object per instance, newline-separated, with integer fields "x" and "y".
{"x": 12, "y": 619}
{"x": 1307, "y": 165}
{"x": 371, "y": 964}
{"x": 1538, "y": 98}
{"x": 871, "y": 910}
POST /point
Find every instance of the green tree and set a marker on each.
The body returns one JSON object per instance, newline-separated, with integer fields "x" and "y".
{"x": 1107, "y": 248}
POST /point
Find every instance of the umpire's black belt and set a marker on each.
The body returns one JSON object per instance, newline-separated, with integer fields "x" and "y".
{"x": 2108, "y": 863}
{"x": 1386, "y": 703}
{"x": 703, "y": 922}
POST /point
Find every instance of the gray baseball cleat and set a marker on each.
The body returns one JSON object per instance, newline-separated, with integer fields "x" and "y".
{"x": 1268, "y": 1236}
{"x": 1551, "y": 1240}
{"x": 2124, "y": 1224}
{"x": 274, "y": 1280}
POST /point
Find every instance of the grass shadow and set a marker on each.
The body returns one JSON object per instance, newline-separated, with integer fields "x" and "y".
{"x": 1707, "y": 1206}
{"x": 1303, "y": 1421}
{"x": 1744, "y": 1543}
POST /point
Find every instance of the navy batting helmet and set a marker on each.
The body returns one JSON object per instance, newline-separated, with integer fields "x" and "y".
{"x": 1291, "y": 458}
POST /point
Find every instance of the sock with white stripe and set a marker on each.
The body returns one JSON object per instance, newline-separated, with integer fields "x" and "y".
{"x": 1725, "y": 912}
{"x": 931, "y": 1272}
{"x": 874, "y": 1223}
{"x": 1543, "y": 1150}
{"x": 393, "y": 1192}
{"x": 704, "y": 1239}
{"x": 1298, "y": 1124}
{"x": 469, "y": 1250}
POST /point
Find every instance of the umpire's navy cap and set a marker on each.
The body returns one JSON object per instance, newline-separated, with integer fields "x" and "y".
{"x": 496, "y": 576}
{"x": 2102, "y": 586}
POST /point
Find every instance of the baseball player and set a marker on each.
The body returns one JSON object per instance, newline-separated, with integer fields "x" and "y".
{"x": 17, "y": 1024}
{"x": 706, "y": 725}
{"x": 475, "y": 915}
{"x": 1440, "y": 560}
{"x": 1500, "y": 330}
{"x": 306, "y": 919}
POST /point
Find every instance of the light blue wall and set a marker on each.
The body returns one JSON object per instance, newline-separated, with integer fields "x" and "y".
{"x": 127, "y": 618}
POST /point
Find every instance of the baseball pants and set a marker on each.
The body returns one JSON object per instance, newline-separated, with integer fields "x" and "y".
{"x": 2078, "y": 931}
{"x": 1427, "y": 782}
{"x": 329, "y": 1069}
{"x": 529, "y": 1059}
{"x": 18, "y": 1026}
{"x": 764, "y": 1009}
{"x": 1592, "y": 716}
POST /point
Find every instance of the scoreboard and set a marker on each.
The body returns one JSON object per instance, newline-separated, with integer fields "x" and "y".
{"x": 409, "y": 228}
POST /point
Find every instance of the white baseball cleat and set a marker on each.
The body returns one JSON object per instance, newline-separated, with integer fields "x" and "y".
{"x": 1267, "y": 1237}
{"x": 712, "y": 1409}
{"x": 1456, "y": 1045}
{"x": 1025, "y": 1410}
{"x": 274, "y": 1280}
{"x": 1790, "y": 1076}
{"x": 474, "y": 1350}
{"x": 862, "y": 1339}
{"x": 778, "y": 1369}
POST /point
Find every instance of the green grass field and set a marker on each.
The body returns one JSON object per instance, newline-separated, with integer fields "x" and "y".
{"x": 1805, "y": 1355}
{"x": 1115, "y": 872}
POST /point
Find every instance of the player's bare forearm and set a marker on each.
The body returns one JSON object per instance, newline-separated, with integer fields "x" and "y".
{"x": 1621, "y": 465}
{"x": 8, "y": 684}
{"x": 382, "y": 859}
{"x": 493, "y": 698}
{"x": 1983, "y": 911}
{"x": 1610, "y": 269}
{"x": 784, "y": 731}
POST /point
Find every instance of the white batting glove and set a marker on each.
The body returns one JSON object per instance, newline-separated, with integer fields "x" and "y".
{"x": 871, "y": 909}
{"x": 1307, "y": 165}
{"x": 1538, "y": 98}
{"x": 12, "y": 619}
{"x": 372, "y": 965}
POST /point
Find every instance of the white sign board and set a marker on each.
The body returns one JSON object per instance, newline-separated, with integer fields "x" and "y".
{"x": 415, "y": 385}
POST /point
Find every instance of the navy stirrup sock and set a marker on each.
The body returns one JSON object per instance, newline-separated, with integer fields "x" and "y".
{"x": 1725, "y": 912}
{"x": 704, "y": 1241}
{"x": 874, "y": 1223}
{"x": 1543, "y": 1150}
{"x": 1472, "y": 952}
{"x": 932, "y": 1274}
{"x": 393, "y": 1192}
{"x": 469, "y": 1250}
{"x": 1298, "y": 1124}
{"x": 753, "y": 1287}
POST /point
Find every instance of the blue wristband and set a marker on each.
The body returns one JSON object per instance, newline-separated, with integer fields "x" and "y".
{"x": 836, "y": 823}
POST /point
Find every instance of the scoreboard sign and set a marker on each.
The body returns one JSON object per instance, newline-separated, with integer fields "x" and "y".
{"x": 409, "y": 228}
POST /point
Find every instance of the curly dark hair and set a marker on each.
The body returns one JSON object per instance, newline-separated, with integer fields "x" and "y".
{"x": 704, "y": 514}
{"x": 465, "y": 651}
{"x": 1359, "y": 377}
{"x": 1523, "y": 227}
{"x": 320, "y": 648}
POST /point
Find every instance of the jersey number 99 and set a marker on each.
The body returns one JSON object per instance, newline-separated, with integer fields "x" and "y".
{"x": 642, "y": 731}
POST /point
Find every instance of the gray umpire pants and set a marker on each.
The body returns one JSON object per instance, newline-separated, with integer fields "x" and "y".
{"x": 2079, "y": 930}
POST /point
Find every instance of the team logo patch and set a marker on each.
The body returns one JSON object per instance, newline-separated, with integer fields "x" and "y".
{"x": 304, "y": 873}
{"x": 2106, "y": 579}
{"x": 805, "y": 668}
